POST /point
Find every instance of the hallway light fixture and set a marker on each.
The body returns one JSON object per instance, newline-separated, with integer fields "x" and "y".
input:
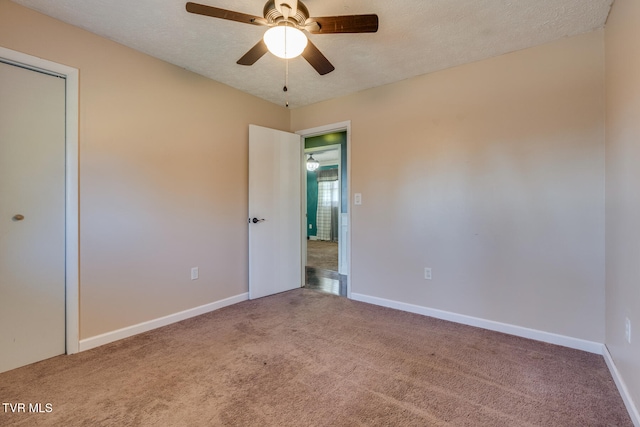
{"x": 312, "y": 164}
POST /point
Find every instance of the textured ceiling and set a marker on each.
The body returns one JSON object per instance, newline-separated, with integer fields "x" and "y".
{"x": 415, "y": 37}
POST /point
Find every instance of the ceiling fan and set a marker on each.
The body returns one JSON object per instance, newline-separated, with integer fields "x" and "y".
{"x": 291, "y": 17}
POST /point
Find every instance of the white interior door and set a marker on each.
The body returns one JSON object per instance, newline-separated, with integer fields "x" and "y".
{"x": 32, "y": 216}
{"x": 275, "y": 223}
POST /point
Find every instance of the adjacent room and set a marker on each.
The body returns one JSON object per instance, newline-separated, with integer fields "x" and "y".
{"x": 474, "y": 261}
{"x": 327, "y": 208}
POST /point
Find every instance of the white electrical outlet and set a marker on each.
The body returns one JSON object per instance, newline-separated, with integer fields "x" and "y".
{"x": 627, "y": 330}
{"x": 427, "y": 273}
{"x": 194, "y": 273}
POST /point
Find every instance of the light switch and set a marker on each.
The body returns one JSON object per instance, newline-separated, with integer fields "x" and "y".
{"x": 357, "y": 199}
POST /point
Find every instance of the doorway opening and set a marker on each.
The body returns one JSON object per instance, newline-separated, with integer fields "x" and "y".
{"x": 326, "y": 202}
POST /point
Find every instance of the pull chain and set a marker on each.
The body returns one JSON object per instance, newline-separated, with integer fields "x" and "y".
{"x": 285, "y": 89}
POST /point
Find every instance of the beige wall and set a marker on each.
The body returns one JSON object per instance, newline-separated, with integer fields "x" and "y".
{"x": 623, "y": 189}
{"x": 492, "y": 174}
{"x": 163, "y": 175}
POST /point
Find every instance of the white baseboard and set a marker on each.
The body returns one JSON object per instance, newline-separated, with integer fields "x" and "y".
{"x": 622, "y": 387}
{"x": 106, "y": 338}
{"x": 548, "y": 337}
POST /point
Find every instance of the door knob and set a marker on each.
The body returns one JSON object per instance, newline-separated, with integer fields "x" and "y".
{"x": 17, "y": 217}
{"x": 256, "y": 220}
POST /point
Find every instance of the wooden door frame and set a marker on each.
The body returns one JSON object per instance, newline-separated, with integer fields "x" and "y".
{"x": 323, "y": 130}
{"x": 72, "y": 245}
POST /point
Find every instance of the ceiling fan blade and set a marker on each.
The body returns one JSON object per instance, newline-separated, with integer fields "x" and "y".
{"x": 343, "y": 24}
{"x": 215, "y": 12}
{"x": 317, "y": 60}
{"x": 254, "y": 54}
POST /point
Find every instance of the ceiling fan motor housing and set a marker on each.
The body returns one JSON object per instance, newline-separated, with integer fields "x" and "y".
{"x": 274, "y": 16}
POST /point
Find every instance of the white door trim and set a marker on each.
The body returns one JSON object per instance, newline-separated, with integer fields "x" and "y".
{"x": 72, "y": 266}
{"x": 321, "y": 130}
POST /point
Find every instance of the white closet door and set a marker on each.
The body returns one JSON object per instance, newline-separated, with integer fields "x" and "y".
{"x": 32, "y": 216}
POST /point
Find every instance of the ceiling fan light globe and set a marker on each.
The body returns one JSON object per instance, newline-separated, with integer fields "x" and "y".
{"x": 275, "y": 39}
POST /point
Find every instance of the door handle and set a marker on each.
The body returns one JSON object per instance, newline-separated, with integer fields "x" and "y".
{"x": 17, "y": 217}
{"x": 256, "y": 220}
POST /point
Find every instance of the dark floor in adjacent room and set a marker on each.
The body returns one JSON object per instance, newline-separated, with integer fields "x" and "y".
{"x": 322, "y": 268}
{"x": 326, "y": 281}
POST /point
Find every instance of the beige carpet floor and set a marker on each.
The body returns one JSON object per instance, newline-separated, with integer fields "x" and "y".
{"x": 322, "y": 254}
{"x": 305, "y": 358}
